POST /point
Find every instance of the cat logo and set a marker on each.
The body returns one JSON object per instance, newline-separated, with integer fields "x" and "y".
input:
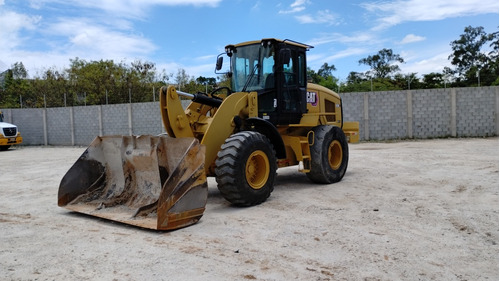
{"x": 312, "y": 98}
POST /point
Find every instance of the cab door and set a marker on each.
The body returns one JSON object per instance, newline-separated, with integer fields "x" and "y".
{"x": 291, "y": 88}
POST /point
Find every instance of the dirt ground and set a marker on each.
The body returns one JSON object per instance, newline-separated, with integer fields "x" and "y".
{"x": 410, "y": 210}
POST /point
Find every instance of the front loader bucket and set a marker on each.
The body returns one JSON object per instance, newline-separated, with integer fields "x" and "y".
{"x": 147, "y": 181}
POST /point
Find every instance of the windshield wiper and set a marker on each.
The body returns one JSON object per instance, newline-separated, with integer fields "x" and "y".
{"x": 250, "y": 78}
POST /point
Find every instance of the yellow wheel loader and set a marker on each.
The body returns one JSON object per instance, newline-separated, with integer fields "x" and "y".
{"x": 271, "y": 117}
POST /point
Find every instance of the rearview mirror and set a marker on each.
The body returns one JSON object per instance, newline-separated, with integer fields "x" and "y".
{"x": 218, "y": 65}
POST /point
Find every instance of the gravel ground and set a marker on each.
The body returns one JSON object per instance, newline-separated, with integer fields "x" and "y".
{"x": 410, "y": 210}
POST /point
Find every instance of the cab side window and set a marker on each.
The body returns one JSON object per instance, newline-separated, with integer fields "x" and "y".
{"x": 302, "y": 69}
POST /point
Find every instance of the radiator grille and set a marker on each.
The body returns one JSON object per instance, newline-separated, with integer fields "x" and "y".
{"x": 10, "y": 132}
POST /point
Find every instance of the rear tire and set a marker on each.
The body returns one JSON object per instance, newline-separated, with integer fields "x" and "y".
{"x": 329, "y": 155}
{"x": 245, "y": 168}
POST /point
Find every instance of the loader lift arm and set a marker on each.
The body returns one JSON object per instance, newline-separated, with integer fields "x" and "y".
{"x": 211, "y": 131}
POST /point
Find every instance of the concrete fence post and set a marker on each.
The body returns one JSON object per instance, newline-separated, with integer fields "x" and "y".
{"x": 130, "y": 129}
{"x": 366, "y": 117}
{"x": 72, "y": 125}
{"x": 453, "y": 104}
{"x": 45, "y": 133}
{"x": 496, "y": 111}
{"x": 101, "y": 131}
{"x": 409, "y": 107}
{"x": 10, "y": 118}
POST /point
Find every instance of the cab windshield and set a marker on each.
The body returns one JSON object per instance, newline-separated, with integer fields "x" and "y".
{"x": 253, "y": 68}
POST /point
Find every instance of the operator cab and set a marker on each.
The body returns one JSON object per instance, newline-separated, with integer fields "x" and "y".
{"x": 276, "y": 70}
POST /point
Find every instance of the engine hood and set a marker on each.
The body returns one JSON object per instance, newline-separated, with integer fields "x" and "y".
{"x": 7, "y": 125}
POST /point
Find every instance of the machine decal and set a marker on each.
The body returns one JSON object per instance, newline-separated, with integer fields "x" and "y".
{"x": 312, "y": 98}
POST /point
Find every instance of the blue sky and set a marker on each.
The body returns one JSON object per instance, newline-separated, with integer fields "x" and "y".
{"x": 189, "y": 34}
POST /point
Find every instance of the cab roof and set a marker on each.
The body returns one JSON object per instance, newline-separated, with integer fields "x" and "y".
{"x": 286, "y": 41}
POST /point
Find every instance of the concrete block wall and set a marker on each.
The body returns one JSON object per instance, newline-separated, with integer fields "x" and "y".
{"x": 353, "y": 109}
{"x": 431, "y": 113}
{"x": 476, "y": 112}
{"x": 387, "y": 115}
{"x": 30, "y": 122}
{"x": 86, "y": 124}
{"x": 146, "y": 119}
{"x": 455, "y": 112}
{"x": 59, "y": 120}
{"x": 115, "y": 119}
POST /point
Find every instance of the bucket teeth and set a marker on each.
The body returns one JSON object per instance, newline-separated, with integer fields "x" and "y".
{"x": 151, "y": 182}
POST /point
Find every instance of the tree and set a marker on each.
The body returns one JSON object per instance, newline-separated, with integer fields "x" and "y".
{"x": 407, "y": 81}
{"x": 209, "y": 83}
{"x": 471, "y": 59}
{"x": 16, "y": 86}
{"x": 492, "y": 66}
{"x": 433, "y": 80}
{"x": 358, "y": 82}
{"x": 356, "y": 77}
{"x": 19, "y": 71}
{"x": 92, "y": 83}
{"x": 324, "y": 76}
{"x": 313, "y": 76}
{"x": 98, "y": 82}
{"x": 467, "y": 49}
{"x": 326, "y": 70}
{"x": 51, "y": 89}
{"x": 382, "y": 63}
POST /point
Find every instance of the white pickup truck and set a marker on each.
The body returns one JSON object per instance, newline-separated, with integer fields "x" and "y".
{"x": 9, "y": 134}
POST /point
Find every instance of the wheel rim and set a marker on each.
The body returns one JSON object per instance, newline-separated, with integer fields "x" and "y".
{"x": 335, "y": 154}
{"x": 257, "y": 169}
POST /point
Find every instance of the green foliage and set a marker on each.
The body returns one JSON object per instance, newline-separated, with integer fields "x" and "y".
{"x": 382, "y": 64}
{"x": 474, "y": 62}
{"x": 324, "y": 77}
{"x": 91, "y": 83}
{"x": 433, "y": 80}
{"x": 326, "y": 71}
{"x": 15, "y": 86}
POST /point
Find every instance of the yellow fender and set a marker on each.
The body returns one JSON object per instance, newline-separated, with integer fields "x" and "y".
{"x": 222, "y": 125}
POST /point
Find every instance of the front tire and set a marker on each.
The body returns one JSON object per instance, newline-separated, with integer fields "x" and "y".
{"x": 4, "y": 147}
{"x": 329, "y": 155}
{"x": 245, "y": 168}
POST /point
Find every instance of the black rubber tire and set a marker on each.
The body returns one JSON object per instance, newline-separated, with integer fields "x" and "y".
{"x": 4, "y": 147}
{"x": 233, "y": 164}
{"x": 327, "y": 168}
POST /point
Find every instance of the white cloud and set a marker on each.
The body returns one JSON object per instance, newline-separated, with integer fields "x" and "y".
{"x": 125, "y": 8}
{"x": 324, "y": 16}
{"x": 411, "y": 38}
{"x": 93, "y": 35}
{"x": 87, "y": 39}
{"x": 314, "y": 61}
{"x": 346, "y": 53}
{"x": 360, "y": 37}
{"x": 435, "y": 63}
{"x": 64, "y": 39}
{"x": 299, "y": 3}
{"x": 398, "y": 11}
{"x": 295, "y": 7}
{"x": 11, "y": 26}
{"x": 256, "y": 7}
{"x": 321, "y": 58}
